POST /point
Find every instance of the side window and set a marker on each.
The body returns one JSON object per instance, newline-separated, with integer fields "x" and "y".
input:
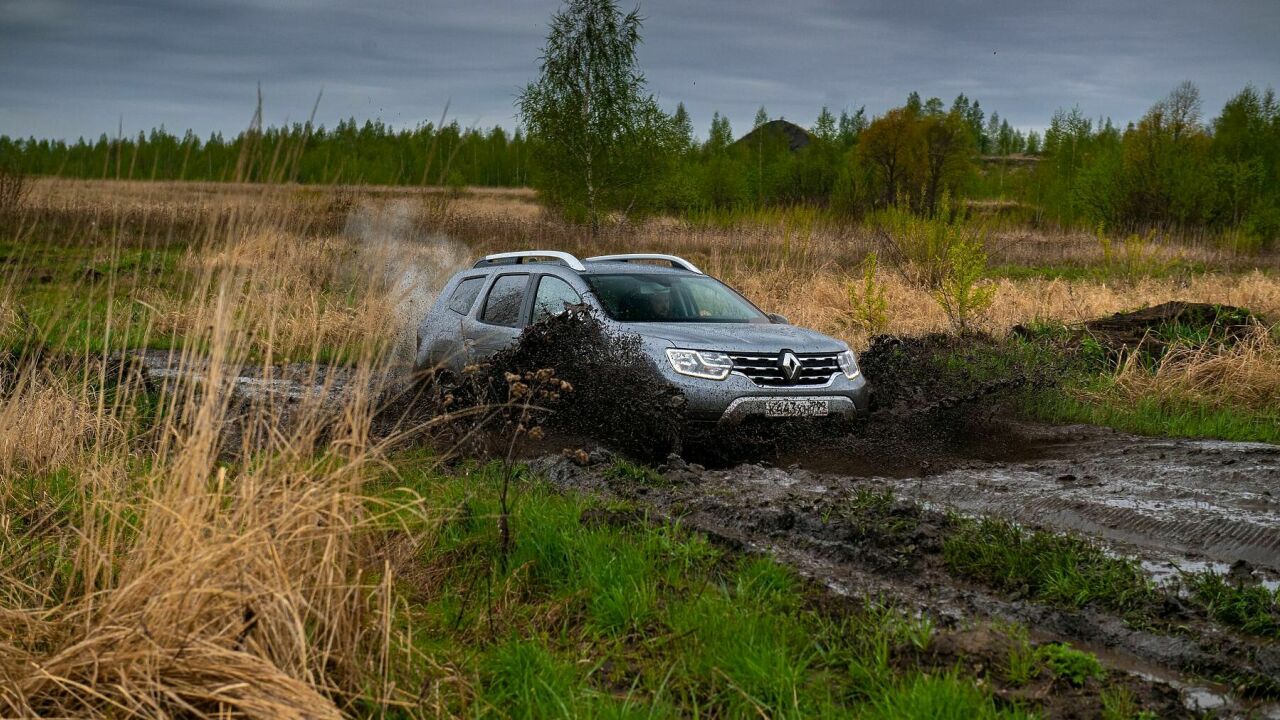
{"x": 506, "y": 298}
{"x": 552, "y": 297}
{"x": 464, "y": 296}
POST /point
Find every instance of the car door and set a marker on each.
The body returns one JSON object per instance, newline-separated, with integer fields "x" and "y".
{"x": 442, "y": 337}
{"x": 553, "y": 295}
{"x": 500, "y": 318}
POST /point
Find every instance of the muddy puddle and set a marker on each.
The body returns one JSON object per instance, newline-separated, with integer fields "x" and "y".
{"x": 1179, "y": 506}
{"x": 1189, "y": 504}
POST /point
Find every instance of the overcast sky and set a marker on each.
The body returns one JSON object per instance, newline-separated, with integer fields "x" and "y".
{"x": 79, "y": 67}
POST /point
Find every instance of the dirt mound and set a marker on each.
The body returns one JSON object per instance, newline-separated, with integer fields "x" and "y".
{"x": 1153, "y": 329}
{"x": 792, "y": 134}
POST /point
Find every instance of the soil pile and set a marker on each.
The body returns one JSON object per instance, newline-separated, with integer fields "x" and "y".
{"x": 1152, "y": 330}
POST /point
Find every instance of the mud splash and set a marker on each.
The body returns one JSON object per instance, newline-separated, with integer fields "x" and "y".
{"x": 406, "y": 262}
{"x": 617, "y": 397}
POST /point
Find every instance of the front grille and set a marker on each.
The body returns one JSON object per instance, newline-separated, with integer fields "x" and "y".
{"x": 764, "y": 369}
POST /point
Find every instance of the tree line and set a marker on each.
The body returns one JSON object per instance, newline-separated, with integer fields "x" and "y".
{"x": 600, "y": 143}
{"x": 1171, "y": 168}
{"x": 369, "y": 153}
{"x": 594, "y": 141}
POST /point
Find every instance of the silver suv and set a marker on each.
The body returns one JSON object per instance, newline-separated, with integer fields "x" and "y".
{"x": 730, "y": 359}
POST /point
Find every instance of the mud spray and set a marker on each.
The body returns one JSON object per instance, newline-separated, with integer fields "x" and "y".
{"x": 410, "y": 263}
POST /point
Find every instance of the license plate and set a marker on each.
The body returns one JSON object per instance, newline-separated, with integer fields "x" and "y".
{"x": 795, "y": 408}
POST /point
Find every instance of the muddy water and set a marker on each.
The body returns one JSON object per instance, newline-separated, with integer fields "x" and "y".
{"x": 1178, "y": 504}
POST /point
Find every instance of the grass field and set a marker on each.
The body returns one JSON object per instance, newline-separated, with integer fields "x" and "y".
{"x": 311, "y": 567}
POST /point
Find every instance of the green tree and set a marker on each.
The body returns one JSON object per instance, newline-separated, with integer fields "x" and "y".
{"x": 890, "y": 146}
{"x": 682, "y": 129}
{"x": 851, "y": 126}
{"x": 914, "y": 104}
{"x": 597, "y": 132}
{"x": 721, "y": 135}
{"x": 825, "y": 127}
{"x": 947, "y": 150}
{"x": 1033, "y": 142}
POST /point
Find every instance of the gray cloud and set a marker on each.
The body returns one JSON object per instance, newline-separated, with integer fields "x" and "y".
{"x": 79, "y": 67}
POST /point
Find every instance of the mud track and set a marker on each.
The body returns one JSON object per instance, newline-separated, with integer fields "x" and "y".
{"x": 1178, "y": 505}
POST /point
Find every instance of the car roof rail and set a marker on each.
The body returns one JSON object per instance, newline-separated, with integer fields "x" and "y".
{"x": 522, "y": 256}
{"x": 675, "y": 260}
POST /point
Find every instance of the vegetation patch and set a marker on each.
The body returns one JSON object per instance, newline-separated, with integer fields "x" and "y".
{"x": 1254, "y": 609}
{"x": 582, "y": 618}
{"x": 1050, "y": 567}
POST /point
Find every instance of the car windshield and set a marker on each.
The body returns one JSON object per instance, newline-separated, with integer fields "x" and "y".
{"x": 654, "y": 297}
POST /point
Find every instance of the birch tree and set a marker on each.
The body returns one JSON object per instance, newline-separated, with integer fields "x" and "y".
{"x": 599, "y": 137}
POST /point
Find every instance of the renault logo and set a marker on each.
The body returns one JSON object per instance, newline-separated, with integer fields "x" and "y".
{"x": 790, "y": 365}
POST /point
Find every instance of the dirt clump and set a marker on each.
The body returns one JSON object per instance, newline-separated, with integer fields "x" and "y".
{"x": 616, "y": 394}
{"x": 1153, "y": 329}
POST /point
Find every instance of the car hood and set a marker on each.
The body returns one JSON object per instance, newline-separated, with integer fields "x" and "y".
{"x": 736, "y": 337}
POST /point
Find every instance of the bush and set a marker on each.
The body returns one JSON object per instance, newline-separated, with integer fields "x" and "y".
{"x": 1075, "y": 666}
{"x": 964, "y": 292}
{"x": 868, "y": 302}
{"x": 14, "y": 189}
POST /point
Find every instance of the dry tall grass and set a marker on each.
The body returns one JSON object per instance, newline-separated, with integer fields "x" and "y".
{"x": 143, "y": 574}
{"x": 1244, "y": 375}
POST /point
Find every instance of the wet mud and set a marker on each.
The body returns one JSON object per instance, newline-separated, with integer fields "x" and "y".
{"x": 868, "y": 536}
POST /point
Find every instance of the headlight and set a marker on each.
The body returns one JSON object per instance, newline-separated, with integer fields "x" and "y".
{"x": 700, "y": 363}
{"x": 848, "y": 364}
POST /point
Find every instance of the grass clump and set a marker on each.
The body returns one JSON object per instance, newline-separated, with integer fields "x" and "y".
{"x": 1118, "y": 703}
{"x": 1074, "y": 666}
{"x": 625, "y": 471}
{"x": 939, "y": 697}
{"x": 1022, "y": 664}
{"x": 1254, "y": 609}
{"x": 1060, "y": 569}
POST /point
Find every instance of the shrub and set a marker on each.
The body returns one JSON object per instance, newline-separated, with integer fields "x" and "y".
{"x": 964, "y": 293}
{"x": 13, "y": 190}
{"x": 1075, "y": 666}
{"x": 1136, "y": 256}
{"x": 867, "y": 299}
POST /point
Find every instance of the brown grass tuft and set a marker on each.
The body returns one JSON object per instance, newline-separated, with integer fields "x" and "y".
{"x": 1244, "y": 375}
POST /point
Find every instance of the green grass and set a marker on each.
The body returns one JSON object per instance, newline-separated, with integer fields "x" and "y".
{"x": 1252, "y": 608}
{"x": 625, "y": 471}
{"x": 1074, "y": 666}
{"x": 1150, "y": 416}
{"x": 597, "y": 620}
{"x": 1063, "y": 570}
{"x": 1118, "y": 703}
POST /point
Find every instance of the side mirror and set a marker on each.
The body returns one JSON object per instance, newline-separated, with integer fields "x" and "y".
{"x": 777, "y": 319}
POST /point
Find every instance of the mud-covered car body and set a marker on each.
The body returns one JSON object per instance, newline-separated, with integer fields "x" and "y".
{"x": 728, "y": 358}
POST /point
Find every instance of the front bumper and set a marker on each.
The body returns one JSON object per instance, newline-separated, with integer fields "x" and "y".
{"x": 838, "y": 406}
{"x": 737, "y": 397}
